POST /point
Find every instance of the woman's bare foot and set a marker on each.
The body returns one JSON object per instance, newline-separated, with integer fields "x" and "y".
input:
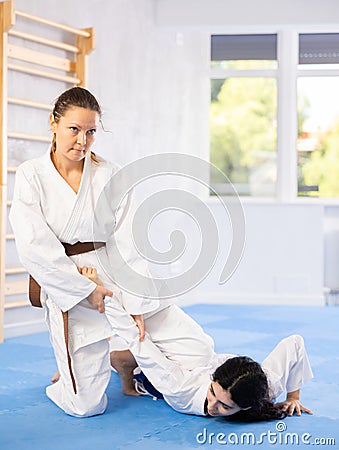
{"x": 55, "y": 377}
{"x": 91, "y": 274}
{"x": 124, "y": 363}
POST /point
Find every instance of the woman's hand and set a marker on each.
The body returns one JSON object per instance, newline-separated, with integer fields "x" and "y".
{"x": 139, "y": 320}
{"x": 90, "y": 273}
{"x": 292, "y": 404}
{"x": 97, "y": 297}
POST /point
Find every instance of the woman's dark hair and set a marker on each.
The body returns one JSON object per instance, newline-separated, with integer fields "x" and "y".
{"x": 247, "y": 383}
{"x": 75, "y": 96}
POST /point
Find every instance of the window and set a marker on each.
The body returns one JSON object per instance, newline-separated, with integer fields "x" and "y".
{"x": 318, "y": 115}
{"x": 253, "y": 139}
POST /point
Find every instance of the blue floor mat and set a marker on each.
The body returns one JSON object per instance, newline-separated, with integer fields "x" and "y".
{"x": 28, "y": 420}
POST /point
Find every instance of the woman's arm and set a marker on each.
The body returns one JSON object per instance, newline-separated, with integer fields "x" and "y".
{"x": 287, "y": 368}
{"x": 92, "y": 274}
{"x": 39, "y": 249}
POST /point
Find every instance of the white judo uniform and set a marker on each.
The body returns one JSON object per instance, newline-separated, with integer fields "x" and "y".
{"x": 287, "y": 368}
{"x": 46, "y": 212}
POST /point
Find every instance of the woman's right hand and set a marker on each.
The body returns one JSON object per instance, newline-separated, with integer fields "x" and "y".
{"x": 97, "y": 297}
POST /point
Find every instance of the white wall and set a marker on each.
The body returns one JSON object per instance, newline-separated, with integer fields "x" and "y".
{"x": 224, "y": 16}
{"x": 282, "y": 261}
{"x": 150, "y": 70}
{"x": 246, "y": 13}
{"x": 331, "y": 250}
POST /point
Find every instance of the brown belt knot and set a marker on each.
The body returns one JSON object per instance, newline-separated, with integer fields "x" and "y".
{"x": 70, "y": 249}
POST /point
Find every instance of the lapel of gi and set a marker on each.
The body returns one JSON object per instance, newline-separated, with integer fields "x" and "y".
{"x": 81, "y": 201}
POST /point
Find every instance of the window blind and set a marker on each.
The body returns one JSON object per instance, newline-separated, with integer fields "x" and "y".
{"x": 230, "y": 47}
{"x": 314, "y": 48}
{"x": 319, "y": 48}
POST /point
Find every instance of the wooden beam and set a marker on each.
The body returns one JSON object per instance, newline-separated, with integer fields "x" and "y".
{"x": 28, "y": 137}
{"x": 29, "y": 103}
{"x": 7, "y": 19}
{"x": 7, "y": 15}
{"x": 17, "y": 304}
{"x": 43, "y": 41}
{"x": 43, "y": 73}
{"x": 51, "y": 23}
{"x": 86, "y": 45}
{"x": 16, "y": 287}
{"x": 3, "y": 218}
{"x": 15, "y": 270}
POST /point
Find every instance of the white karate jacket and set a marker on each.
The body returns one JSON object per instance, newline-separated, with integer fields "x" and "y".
{"x": 46, "y": 211}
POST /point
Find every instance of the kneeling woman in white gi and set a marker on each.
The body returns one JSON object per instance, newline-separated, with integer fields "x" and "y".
{"x": 52, "y": 216}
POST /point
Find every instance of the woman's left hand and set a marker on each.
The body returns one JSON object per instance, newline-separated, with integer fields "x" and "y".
{"x": 139, "y": 320}
{"x": 291, "y": 406}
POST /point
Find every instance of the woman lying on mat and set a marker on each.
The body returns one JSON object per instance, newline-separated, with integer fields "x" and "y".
{"x": 228, "y": 385}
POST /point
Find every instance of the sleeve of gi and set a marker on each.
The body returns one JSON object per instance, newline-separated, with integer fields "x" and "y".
{"x": 287, "y": 367}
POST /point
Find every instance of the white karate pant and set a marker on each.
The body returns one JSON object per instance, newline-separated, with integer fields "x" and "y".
{"x": 90, "y": 366}
{"x": 287, "y": 367}
{"x": 177, "y": 336}
{"x": 168, "y": 372}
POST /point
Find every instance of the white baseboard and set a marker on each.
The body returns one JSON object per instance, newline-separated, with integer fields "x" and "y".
{"x": 24, "y": 328}
{"x": 251, "y": 299}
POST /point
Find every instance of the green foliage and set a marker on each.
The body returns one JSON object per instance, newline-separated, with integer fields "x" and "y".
{"x": 242, "y": 123}
{"x": 243, "y": 132}
{"x": 322, "y": 168}
{"x": 303, "y": 112}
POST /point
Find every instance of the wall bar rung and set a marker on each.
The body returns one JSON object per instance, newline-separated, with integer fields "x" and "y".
{"x": 9, "y": 202}
{"x": 40, "y": 58}
{"x": 44, "y": 41}
{"x": 15, "y": 271}
{"x": 17, "y": 304}
{"x": 43, "y": 73}
{"x": 10, "y": 237}
{"x": 30, "y": 103}
{"x": 28, "y": 137}
{"x": 11, "y": 169}
{"x": 52, "y": 23}
{"x": 16, "y": 288}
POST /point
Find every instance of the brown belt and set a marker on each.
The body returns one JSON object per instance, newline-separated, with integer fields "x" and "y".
{"x": 35, "y": 290}
{"x": 70, "y": 249}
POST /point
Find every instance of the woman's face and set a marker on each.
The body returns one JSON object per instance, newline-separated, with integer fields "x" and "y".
{"x": 75, "y": 132}
{"x": 219, "y": 401}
